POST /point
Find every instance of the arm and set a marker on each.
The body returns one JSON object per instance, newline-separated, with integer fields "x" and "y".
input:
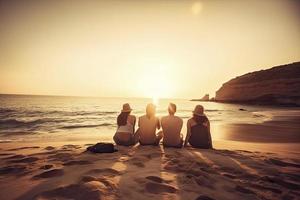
{"x": 158, "y": 124}
{"x": 134, "y": 121}
{"x": 209, "y": 135}
{"x": 188, "y": 133}
{"x": 139, "y": 123}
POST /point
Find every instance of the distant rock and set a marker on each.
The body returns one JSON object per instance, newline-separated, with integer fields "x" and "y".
{"x": 204, "y": 98}
{"x": 279, "y": 85}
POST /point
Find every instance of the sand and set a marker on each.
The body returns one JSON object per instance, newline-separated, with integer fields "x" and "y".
{"x": 66, "y": 171}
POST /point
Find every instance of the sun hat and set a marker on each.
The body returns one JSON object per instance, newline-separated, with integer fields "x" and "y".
{"x": 199, "y": 110}
{"x": 126, "y": 108}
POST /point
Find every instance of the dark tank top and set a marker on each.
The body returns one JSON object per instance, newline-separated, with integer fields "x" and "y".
{"x": 200, "y": 135}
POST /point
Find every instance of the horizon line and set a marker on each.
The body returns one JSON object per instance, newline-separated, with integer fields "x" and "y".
{"x": 83, "y": 96}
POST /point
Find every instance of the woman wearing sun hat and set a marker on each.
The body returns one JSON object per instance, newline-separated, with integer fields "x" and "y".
{"x": 125, "y": 134}
{"x": 198, "y": 130}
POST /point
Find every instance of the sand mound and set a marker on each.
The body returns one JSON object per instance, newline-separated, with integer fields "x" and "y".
{"x": 91, "y": 188}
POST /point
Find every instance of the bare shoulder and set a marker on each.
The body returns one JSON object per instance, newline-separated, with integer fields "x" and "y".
{"x": 191, "y": 122}
{"x": 179, "y": 118}
{"x": 141, "y": 118}
{"x": 132, "y": 116}
{"x": 163, "y": 118}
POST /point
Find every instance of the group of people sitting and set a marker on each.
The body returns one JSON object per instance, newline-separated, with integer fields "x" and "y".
{"x": 149, "y": 133}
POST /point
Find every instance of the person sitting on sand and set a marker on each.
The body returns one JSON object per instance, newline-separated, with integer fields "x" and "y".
{"x": 171, "y": 127}
{"x": 198, "y": 130}
{"x": 125, "y": 132}
{"x": 147, "y": 127}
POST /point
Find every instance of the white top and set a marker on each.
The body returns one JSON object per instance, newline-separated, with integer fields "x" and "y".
{"x": 128, "y": 128}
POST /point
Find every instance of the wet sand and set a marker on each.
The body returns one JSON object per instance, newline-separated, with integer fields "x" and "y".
{"x": 65, "y": 170}
{"x": 280, "y": 129}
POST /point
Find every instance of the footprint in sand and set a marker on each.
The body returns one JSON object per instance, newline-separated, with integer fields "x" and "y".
{"x": 232, "y": 176}
{"x": 13, "y": 169}
{"x": 77, "y": 162}
{"x": 156, "y": 185}
{"x": 18, "y": 156}
{"x": 157, "y": 179}
{"x": 281, "y": 182}
{"x": 73, "y": 191}
{"x": 49, "y": 148}
{"x": 22, "y": 148}
{"x": 61, "y": 157}
{"x": 46, "y": 167}
{"x": 108, "y": 184}
{"x": 50, "y": 174}
{"x": 174, "y": 167}
{"x": 244, "y": 190}
{"x": 105, "y": 171}
{"x": 138, "y": 161}
{"x": 262, "y": 187}
{"x": 6, "y": 154}
{"x": 88, "y": 188}
{"x": 157, "y": 188}
{"x": 293, "y": 176}
{"x": 281, "y": 163}
{"x": 204, "y": 197}
{"x": 204, "y": 182}
{"x": 153, "y": 155}
{"x": 25, "y": 160}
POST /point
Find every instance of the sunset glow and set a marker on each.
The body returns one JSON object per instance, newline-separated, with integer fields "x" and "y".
{"x": 155, "y": 49}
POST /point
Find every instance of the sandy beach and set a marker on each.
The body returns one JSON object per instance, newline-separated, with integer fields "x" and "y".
{"x": 64, "y": 170}
{"x": 220, "y": 75}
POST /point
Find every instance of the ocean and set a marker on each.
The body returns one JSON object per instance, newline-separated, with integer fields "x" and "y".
{"x": 29, "y": 117}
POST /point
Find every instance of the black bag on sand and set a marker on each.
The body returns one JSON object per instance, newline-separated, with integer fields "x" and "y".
{"x": 102, "y": 148}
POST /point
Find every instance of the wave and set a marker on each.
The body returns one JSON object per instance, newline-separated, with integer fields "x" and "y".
{"x": 205, "y": 110}
{"x": 6, "y": 110}
{"x": 212, "y": 110}
{"x": 86, "y": 126}
{"x": 74, "y": 113}
{"x": 17, "y": 123}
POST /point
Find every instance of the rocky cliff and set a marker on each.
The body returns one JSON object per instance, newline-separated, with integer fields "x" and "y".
{"x": 278, "y": 85}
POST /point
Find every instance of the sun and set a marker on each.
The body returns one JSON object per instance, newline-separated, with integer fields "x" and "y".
{"x": 155, "y": 83}
{"x": 196, "y": 8}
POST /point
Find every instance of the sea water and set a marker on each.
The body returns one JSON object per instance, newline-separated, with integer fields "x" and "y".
{"x": 24, "y": 117}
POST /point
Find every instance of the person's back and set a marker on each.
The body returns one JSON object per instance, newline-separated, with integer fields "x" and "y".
{"x": 171, "y": 126}
{"x": 200, "y": 136}
{"x": 127, "y": 129}
{"x": 125, "y": 132}
{"x": 147, "y": 129}
{"x": 198, "y": 130}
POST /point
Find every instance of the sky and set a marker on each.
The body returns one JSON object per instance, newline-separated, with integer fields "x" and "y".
{"x": 158, "y": 49}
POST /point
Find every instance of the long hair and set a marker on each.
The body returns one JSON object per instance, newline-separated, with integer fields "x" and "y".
{"x": 200, "y": 119}
{"x": 122, "y": 118}
{"x": 150, "y": 110}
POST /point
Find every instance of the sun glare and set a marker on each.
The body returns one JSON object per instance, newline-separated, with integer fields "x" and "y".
{"x": 155, "y": 83}
{"x": 196, "y": 8}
